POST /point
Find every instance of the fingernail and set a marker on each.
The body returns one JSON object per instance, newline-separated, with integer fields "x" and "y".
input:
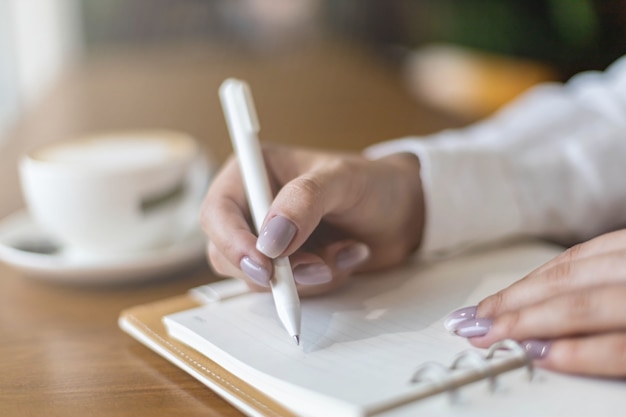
{"x": 473, "y": 327}
{"x": 312, "y": 274}
{"x": 276, "y": 236}
{"x": 458, "y": 316}
{"x": 254, "y": 271}
{"x": 537, "y": 349}
{"x": 352, "y": 256}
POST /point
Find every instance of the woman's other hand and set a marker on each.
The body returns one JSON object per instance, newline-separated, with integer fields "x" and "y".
{"x": 570, "y": 312}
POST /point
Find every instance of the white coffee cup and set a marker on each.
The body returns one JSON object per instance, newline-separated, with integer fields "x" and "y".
{"x": 118, "y": 192}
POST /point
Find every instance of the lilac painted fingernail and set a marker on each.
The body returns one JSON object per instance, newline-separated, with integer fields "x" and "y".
{"x": 352, "y": 256}
{"x": 255, "y": 272}
{"x": 276, "y": 236}
{"x": 537, "y": 349}
{"x": 473, "y": 327}
{"x": 458, "y": 316}
{"x": 312, "y": 274}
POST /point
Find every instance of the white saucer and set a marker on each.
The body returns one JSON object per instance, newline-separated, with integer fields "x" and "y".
{"x": 18, "y": 231}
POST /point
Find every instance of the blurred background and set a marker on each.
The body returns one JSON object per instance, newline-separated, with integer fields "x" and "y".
{"x": 38, "y": 38}
{"x": 322, "y": 70}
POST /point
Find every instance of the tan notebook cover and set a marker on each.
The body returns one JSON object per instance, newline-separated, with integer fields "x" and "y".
{"x": 143, "y": 322}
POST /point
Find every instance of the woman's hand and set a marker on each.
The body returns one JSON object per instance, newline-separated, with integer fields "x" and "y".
{"x": 334, "y": 214}
{"x": 570, "y": 312}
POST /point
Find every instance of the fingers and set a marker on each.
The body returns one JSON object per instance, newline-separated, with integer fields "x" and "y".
{"x": 606, "y": 243}
{"x": 349, "y": 212}
{"x": 225, "y": 218}
{"x": 329, "y": 186}
{"x": 222, "y": 266}
{"x": 234, "y": 247}
{"x": 570, "y": 312}
{"x": 602, "y": 355}
{"x": 330, "y": 269}
{"x": 581, "y": 332}
{"x": 589, "y": 311}
{"x": 314, "y": 274}
{"x": 583, "y": 269}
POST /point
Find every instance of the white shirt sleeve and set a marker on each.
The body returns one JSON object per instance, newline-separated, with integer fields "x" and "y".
{"x": 551, "y": 164}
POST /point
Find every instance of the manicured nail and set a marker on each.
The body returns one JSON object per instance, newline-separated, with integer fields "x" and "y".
{"x": 312, "y": 274}
{"x": 537, "y": 349}
{"x": 473, "y": 327}
{"x": 458, "y": 316}
{"x": 352, "y": 256}
{"x": 255, "y": 272}
{"x": 276, "y": 236}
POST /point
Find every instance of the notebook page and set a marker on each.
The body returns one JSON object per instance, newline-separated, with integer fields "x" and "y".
{"x": 359, "y": 345}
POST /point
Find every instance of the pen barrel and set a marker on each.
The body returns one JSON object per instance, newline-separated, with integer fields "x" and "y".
{"x": 244, "y": 126}
{"x": 258, "y": 189}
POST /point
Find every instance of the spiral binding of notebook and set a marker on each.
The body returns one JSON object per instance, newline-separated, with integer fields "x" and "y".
{"x": 470, "y": 366}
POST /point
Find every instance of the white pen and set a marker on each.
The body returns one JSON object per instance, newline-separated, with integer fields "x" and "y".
{"x": 243, "y": 126}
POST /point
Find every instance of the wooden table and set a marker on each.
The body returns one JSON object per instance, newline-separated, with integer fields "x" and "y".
{"x": 61, "y": 352}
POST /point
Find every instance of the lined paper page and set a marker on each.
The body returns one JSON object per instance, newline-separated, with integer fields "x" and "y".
{"x": 359, "y": 345}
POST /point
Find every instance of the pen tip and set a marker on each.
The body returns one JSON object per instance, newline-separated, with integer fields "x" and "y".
{"x": 297, "y": 339}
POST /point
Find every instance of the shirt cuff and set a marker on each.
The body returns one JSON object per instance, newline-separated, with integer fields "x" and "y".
{"x": 468, "y": 195}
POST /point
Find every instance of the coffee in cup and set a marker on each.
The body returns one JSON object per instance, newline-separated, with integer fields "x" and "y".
{"x": 118, "y": 192}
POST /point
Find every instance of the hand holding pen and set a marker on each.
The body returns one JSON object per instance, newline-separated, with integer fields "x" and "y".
{"x": 334, "y": 214}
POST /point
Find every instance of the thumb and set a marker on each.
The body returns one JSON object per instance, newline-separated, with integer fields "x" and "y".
{"x": 300, "y": 205}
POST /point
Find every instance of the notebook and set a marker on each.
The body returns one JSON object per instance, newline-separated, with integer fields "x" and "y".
{"x": 375, "y": 347}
